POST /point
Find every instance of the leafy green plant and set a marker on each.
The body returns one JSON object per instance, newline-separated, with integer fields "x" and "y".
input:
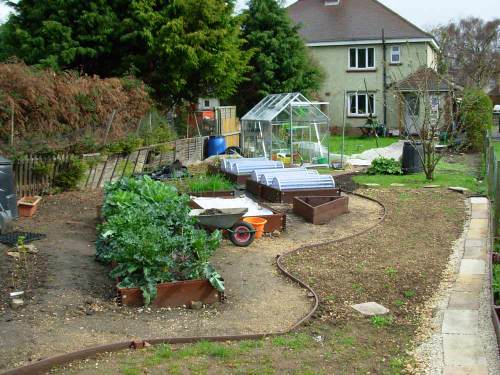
{"x": 391, "y": 271}
{"x": 409, "y": 294}
{"x": 70, "y": 175}
{"x": 41, "y": 169}
{"x": 399, "y": 303}
{"x": 495, "y": 283}
{"x": 385, "y": 166}
{"x": 380, "y": 321}
{"x": 209, "y": 183}
{"x": 149, "y": 234}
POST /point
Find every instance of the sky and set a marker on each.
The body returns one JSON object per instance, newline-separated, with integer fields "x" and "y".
{"x": 424, "y": 13}
{"x": 429, "y": 13}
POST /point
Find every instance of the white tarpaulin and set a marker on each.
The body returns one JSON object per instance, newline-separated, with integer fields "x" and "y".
{"x": 254, "y": 209}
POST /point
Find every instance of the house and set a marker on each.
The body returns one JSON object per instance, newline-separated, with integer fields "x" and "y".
{"x": 365, "y": 49}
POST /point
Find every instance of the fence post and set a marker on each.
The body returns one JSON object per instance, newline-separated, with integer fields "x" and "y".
{"x": 496, "y": 213}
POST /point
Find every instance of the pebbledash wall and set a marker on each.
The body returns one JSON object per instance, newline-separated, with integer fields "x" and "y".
{"x": 335, "y": 59}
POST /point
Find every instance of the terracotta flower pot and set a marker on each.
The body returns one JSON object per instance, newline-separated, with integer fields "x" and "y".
{"x": 27, "y": 206}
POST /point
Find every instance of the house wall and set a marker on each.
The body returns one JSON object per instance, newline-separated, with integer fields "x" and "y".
{"x": 334, "y": 61}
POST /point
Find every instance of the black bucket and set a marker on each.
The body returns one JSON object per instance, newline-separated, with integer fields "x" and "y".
{"x": 411, "y": 162}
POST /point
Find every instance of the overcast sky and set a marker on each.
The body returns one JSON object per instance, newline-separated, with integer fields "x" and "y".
{"x": 428, "y": 13}
{"x": 424, "y": 13}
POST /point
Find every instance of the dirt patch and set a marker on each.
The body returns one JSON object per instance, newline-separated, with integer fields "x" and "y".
{"x": 398, "y": 265}
{"x": 76, "y": 308}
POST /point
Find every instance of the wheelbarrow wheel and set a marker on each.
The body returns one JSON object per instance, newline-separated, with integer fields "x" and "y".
{"x": 242, "y": 234}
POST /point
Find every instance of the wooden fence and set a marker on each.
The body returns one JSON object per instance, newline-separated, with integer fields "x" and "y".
{"x": 103, "y": 168}
{"x": 35, "y": 175}
{"x": 492, "y": 165}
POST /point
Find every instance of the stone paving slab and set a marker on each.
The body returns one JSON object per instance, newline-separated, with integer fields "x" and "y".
{"x": 475, "y": 252}
{"x": 469, "y": 283}
{"x": 466, "y": 370}
{"x": 479, "y": 200}
{"x": 463, "y": 350}
{"x": 479, "y": 242}
{"x": 463, "y": 301}
{"x": 461, "y": 322}
{"x": 472, "y": 267}
{"x": 370, "y": 309}
{"x": 481, "y": 213}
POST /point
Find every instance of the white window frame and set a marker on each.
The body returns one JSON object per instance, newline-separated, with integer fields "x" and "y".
{"x": 357, "y": 95}
{"x": 398, "y": 53}
{"x": 349, "y": 67}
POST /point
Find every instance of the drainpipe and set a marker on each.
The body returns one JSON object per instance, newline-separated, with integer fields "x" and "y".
{"x": 384, "y": 90}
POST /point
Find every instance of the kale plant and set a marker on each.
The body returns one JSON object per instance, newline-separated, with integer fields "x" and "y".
{"x": 149, "y": 234}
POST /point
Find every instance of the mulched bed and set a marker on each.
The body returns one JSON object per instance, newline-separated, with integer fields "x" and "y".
{"x": 398, "y": 265}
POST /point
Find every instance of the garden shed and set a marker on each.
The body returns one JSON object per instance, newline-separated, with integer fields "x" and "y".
{"x": 286, "y": 127}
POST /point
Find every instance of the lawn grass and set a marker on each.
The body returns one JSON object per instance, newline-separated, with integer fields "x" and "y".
{"x": 496, "y": 147}
{"x": 356, "y": 145}
{"x": 447, "y": 174}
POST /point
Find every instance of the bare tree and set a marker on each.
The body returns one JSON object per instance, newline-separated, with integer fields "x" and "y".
{"x": 470, "y": 50}
{"x": 426, "y": 101}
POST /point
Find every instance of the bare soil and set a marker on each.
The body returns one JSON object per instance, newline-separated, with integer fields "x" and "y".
{"x": 398, "y": 264}
{"x": 73, "y": 304}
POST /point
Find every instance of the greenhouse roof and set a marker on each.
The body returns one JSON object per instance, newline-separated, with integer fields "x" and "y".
{"x": 272, "y": 105}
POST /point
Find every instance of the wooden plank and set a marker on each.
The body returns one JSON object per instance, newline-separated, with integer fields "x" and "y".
{"x": 102, "y": 172}
{"x": 497, "y": 197}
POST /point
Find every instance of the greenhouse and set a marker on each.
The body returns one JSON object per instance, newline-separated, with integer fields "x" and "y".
{"x": 286, "y": 127}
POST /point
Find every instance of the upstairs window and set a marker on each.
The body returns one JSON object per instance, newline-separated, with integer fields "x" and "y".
{"x": 361, "y": 104}
{"x": 362, "y": 58}
{"x": 395, "y": 55}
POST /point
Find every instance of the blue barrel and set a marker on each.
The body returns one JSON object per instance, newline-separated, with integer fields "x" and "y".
{"x": 216, "y": 145}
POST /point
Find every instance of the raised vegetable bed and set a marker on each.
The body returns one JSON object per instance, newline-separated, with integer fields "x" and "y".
{"x": 236, "y": 179}
{"x": 273, "y": 195}
{"x": 253, "y": 187}
{"x": 175, "y": 294}
{"x": 320, "y": 210}
{"x": 215, "y": 194}
{"x": 149, "y": 238}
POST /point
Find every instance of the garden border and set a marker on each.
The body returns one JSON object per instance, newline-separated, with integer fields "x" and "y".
{"x": 47, "y": 364}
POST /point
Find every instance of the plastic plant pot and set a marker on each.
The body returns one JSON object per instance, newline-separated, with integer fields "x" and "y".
{"x": 258, "y": 223}
{"x": 27, "y": 206}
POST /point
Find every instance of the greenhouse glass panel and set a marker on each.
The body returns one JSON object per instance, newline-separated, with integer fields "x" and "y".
{"x": 286, "y": 127}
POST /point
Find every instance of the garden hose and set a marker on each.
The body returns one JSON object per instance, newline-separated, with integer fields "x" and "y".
{"x": 45, "y": 365}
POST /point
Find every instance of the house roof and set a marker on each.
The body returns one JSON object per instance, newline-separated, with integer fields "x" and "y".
{"x": 424, "y": 79}
{"x": 351, "y": 20}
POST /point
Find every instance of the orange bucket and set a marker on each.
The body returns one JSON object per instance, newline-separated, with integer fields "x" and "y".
{"x": 258, "y": 223}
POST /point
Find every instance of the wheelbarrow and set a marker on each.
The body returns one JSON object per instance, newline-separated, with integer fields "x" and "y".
{"x": 229, "y": 220}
